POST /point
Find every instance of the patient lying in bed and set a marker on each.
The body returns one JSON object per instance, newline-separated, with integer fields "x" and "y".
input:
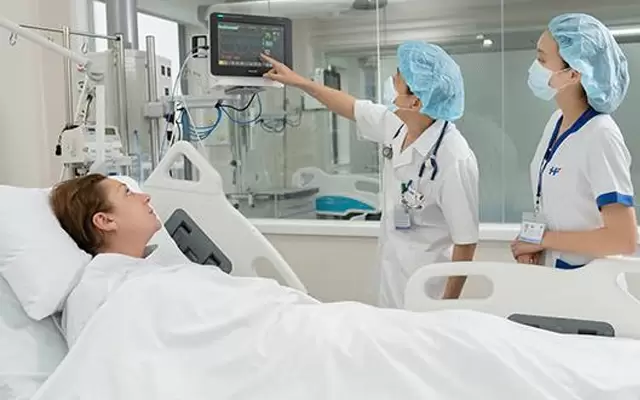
{"x": 144, "y": 328}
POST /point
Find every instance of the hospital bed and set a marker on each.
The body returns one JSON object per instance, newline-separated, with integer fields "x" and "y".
{"x": 594, "y": 299}
{"x": 31, "y": 349}
{"x": 201, "y": 208}
{"x": 205, "y": 204}
{"x": 341, "y": 196}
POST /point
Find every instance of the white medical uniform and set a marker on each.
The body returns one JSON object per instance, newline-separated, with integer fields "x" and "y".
{"x": 450, "y": 213}
{"x": 589, "y": 170}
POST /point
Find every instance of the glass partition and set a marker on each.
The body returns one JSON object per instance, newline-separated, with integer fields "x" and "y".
{"x": 297, "y": 160}
{"x": 345, "y": 170}
{"x": 494, "y": 43}
{"x": 525, "y": 115}
{"x": 470, "y": 33}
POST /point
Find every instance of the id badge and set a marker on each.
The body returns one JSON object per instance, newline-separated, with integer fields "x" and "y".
{"x": 401, "y": 217}
{"x": 532, "y": 228}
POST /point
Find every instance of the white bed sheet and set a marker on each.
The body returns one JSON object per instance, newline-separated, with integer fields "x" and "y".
{"x": 29, "y": 350}
{"x": 192, "y": 332}
{"x": 104, "y": 274}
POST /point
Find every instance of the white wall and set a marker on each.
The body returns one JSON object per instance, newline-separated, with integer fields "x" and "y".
{"x": 31, "y": 109}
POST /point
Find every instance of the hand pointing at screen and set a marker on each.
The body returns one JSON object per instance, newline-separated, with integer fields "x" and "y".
{"x": 281, "y": 73}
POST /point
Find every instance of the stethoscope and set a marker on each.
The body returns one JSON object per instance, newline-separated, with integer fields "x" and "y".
{"x": 411, "y": 198}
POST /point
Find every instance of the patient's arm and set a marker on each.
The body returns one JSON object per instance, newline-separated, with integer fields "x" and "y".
{"x": 461, "y": 252}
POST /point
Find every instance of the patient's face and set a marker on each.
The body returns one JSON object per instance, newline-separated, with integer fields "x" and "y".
{"x": 131, "y": 214}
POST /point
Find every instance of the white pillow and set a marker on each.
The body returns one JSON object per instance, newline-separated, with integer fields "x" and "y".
{"x": 38, "y": 259}
{"x": 29, "y": 350}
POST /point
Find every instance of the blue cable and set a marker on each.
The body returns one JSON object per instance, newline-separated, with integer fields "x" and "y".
{"x": 199, "y": 132}
{"x": 203, "y": 132}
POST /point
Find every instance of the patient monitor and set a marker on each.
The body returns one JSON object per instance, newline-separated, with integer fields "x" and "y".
{"x": 236, "y": 42}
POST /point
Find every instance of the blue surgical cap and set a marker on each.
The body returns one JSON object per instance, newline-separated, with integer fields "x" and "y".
{"x": 590, "y": 48}
{"x": 434, "y": 78}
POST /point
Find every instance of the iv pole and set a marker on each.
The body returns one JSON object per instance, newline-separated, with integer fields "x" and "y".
{"x": 16, "y": 29}
{"x": 84, "y": 65}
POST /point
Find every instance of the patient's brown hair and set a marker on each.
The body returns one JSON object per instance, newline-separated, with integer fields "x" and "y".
{"x": 74, "y": 203}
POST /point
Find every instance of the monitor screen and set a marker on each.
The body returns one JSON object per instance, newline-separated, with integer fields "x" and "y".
{"x": 237, "y": 41}
{"x": 240, "y": 44}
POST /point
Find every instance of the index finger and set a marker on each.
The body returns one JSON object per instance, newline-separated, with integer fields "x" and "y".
{"x": 268, "y": 59}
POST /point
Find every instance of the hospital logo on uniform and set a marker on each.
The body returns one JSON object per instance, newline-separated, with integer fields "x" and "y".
{"x": 553, "y": 171}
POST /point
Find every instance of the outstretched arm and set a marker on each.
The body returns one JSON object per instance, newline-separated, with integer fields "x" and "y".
{"x": 337, "y": 101}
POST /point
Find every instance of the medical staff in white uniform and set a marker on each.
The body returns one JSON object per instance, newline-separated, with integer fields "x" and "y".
{"x": 580, "y": 174}
{"x": 430, "y": 177}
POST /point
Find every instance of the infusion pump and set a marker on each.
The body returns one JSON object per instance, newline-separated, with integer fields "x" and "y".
{"x": 113, "y": 144}
{"x": 79, "y": 147}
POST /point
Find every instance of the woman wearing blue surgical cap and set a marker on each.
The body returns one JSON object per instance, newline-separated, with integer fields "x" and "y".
{"x": 583, "y": 195}
{"x": 430, "y": 178}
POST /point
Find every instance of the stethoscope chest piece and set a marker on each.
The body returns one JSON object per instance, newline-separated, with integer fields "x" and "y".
{"x": 412, "y": 199}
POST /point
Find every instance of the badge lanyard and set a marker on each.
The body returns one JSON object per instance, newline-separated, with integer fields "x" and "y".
{"x": 404, "y": 188}
{"x": 554, "y": 145}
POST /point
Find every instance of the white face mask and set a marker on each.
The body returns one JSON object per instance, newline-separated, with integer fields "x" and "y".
{"x": 389, "y": 94}
{"x": 540, "y": 81}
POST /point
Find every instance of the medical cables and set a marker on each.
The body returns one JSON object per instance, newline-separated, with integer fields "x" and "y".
{"x": 180, "y": 124}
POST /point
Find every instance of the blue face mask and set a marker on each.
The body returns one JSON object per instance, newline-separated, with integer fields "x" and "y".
{"x": 539, "y": 78}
